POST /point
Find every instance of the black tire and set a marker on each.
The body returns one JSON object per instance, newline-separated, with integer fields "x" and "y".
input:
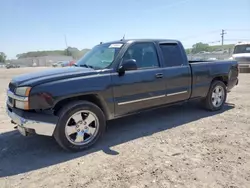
{"x": 208, "y": 101}
{"x": 64, "y": 115}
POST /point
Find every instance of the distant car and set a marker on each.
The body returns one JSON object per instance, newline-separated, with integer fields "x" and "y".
{"x": 57, "y": 64}
{"x": 220, "y": 51}
{"x": 8, "y": 66}
{"x": 212, "y": 59}
{"x": 65, "y": 63}
{"x": 71, "y": 63}
{"x": 2, "y": 65}
{"x": 203, "y": 52}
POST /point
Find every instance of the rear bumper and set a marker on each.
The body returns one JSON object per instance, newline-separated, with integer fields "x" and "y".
{"x": 41, "y": 124}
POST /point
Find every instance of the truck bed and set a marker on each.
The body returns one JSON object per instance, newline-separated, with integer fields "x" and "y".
{"x": 204, "y": 71}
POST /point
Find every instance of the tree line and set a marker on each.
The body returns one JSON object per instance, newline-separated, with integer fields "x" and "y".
{"x": 199, "y": 47}
{"x": 2, "y": 57}
{"x": 70, "y": 51}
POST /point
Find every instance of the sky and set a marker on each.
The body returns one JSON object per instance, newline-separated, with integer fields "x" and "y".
{"x": 32, "y": 25}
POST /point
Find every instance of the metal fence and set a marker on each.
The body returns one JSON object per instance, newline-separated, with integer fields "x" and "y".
{"x": 208, "y": 56}
{"x": 42, "y": 61}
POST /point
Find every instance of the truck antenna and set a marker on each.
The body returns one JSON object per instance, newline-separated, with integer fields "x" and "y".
{"x": 123, "y": 38}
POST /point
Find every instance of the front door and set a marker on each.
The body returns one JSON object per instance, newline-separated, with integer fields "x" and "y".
{"x": 141, "y": 88}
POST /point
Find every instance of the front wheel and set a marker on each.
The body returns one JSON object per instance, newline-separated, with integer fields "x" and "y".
{"x": 216, "y": 96}
{"x": 80, "y": 125}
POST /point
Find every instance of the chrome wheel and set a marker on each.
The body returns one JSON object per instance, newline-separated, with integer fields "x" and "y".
{"x": 82, "y": 127}
{"x": 218, "y": 96}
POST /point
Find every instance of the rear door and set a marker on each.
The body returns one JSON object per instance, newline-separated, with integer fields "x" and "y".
{"x": 177, "y": 72}
{"x": 141, "y": 88}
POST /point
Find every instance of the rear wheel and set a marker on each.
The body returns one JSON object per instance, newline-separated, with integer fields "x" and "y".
{"x": 216, "y": 96}
{"x": 80, "y": 125}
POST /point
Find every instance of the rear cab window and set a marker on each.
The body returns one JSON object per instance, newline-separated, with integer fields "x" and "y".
{"x": 172, "y": 55}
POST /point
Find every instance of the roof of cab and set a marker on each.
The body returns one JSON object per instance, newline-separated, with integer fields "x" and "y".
{"x": 242, "y": 43}
{"x": 144, "y": 40}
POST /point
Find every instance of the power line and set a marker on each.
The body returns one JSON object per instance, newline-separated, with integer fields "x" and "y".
{"x": 213, "y": 42}
{"x": 238, "y": 29}
{"x": 195, "y": 36}
{"x": 236, "y": 39}
{"x": 212, "y": 32}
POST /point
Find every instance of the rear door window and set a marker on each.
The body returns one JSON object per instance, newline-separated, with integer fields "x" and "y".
{"x": 171, "y": 54}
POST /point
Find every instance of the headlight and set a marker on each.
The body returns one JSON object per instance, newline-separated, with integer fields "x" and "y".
{"x": 22, "y": 105}
{"x": 23, "y": 91}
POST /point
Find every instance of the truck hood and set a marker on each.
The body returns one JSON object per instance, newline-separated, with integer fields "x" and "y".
{"x": 32, "y": 79}
{"x": 243, "y": 58}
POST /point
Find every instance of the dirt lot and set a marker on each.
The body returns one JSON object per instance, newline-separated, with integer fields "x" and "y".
{"x": 181, "y": 146}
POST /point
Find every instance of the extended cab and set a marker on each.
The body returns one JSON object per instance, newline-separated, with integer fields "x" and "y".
{"x": 114, "y": 79}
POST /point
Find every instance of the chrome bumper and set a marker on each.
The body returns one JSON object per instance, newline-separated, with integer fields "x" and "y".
{"x": 41, "y": 128}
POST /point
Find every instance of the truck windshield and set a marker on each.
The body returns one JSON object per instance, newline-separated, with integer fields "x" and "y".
{"x": 100, "y": 57}
{"x": 242, "y": 49}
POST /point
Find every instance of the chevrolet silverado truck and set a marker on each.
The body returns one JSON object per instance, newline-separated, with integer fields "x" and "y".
{"x": 112, "y": 80}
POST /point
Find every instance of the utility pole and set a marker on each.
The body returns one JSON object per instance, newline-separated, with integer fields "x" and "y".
{"x": 222, "y": 37}
{"x": 65, "y": 39}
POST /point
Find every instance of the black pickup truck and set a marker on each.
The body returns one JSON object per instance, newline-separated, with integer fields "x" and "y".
{"x": 112, "y": 80}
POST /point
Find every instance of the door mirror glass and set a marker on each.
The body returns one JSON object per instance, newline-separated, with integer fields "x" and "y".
{"x": 127, "y": 65}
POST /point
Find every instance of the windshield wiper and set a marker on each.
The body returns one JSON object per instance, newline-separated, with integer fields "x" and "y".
{"x": 87, "y": 66}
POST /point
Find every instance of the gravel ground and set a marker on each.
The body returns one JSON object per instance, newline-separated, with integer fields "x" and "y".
{"x": 180, "y": 146}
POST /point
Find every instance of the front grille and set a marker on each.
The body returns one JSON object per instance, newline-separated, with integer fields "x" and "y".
{"x": 244, "y": 59}
{"x": 12, "y": 87}
{"x": 10, "y": 102}
{"x": 243, "y": 66}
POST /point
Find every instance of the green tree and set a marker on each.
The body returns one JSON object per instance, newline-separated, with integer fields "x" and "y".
{"x": 71, "y": 51}
{"x": 198, "y": 47}
{"x": 2, "y": 57}
{"x": 188, "y": 51}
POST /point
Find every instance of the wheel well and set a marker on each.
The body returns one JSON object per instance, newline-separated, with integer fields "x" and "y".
{"x": 91, "y": 98}
{"x": 224, "y": 79}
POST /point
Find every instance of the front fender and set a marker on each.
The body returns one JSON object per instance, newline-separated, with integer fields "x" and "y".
{"x": 47, "y": 95}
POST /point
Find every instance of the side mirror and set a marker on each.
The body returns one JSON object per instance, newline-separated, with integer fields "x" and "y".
{"x": 129, "y": 64}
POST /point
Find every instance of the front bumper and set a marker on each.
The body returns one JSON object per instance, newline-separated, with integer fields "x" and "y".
{"x": 244, "y": 68}
{"x": 41, "y": 124}
{"x": 36, "y": 122}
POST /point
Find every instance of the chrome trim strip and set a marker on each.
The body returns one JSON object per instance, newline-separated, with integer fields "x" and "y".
{"x": 177, "y": 93}
{"x": 139, "y": 100}
{"x": 8, "y": 102}
{"x": 41, "y": 128}
{"x": 16, "y": 97}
